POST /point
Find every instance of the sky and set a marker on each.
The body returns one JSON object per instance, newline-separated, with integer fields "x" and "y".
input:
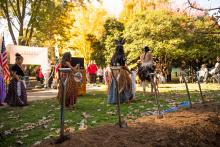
{"x": 114, "y": 8}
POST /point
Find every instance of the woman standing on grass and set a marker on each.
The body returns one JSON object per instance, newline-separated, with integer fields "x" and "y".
{"x": 17, "y": 95}
{"x": 71, "y": 87}
{"x": 122, "y": 78}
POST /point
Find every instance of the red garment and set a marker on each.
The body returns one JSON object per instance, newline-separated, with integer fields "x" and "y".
{"x": 40, "y": 74}
{"x": 57, "y": 67}
{"x": 92, "y": 69}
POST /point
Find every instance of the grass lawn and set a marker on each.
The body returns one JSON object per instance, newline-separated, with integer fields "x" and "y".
{"x": 28, "y": 125}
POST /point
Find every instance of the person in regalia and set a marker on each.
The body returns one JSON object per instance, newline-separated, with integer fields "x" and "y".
{"x": 17, "y": 95}
{"x": 122, "y": 76}
{"x": 71, "y": 86}
{"x": 146, "y": 67}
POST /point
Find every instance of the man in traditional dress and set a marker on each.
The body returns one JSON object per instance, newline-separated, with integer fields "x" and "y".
{"x": 146, "y": 68}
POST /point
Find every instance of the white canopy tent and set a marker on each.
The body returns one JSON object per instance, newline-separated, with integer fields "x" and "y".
{"x": 32, "y": 55}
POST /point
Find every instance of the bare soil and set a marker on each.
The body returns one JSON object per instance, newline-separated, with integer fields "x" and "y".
{"x": 199, "y": 126}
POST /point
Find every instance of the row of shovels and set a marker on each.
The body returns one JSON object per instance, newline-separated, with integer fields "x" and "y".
{"x": 121, "y": 124}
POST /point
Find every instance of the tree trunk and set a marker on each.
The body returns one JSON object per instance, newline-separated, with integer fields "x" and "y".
{"x": 169, "y": 71}
{"x": 169, "y": 78}
{"x": 6, "y": 13}
{"x": 21, "y": 34}
{"x": 11, "y": 32}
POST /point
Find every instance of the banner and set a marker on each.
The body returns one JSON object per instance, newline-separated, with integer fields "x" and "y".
{"x": 32, "y": 55}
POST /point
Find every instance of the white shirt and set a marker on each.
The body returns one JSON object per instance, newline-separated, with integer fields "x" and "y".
{"x": 203, "y": 72}
{"x": 100, "y": 72}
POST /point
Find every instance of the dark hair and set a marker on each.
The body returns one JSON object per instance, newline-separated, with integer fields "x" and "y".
{"x": 146, "y": 50}
{"x": 18, "y": 56}
{"x": 119, "y": 56}
{"x": 66, "y": 57}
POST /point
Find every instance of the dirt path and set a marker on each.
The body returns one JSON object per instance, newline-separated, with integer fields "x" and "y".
{"x": 52, "y": 93}
{"x": 199, "y": 126}
{"x": 41, "y": 95}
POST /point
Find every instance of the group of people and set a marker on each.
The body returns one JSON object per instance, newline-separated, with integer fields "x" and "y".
{"x": 126, "y": 79}
{"x": 117, "y": 76}
{"x": 123, "y": 81}
{"x": 16, "y": 94}
{"x": 93, "y": 72}
{"x": 203, "y": 71}
{"x": 43, "y": 74}
{"x": 208, "y": 70}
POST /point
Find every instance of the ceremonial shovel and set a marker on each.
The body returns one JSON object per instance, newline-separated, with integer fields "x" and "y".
{"x": 63, "y": 137}
{"x": 187, "y": 89}
{"x": 159, "y": 115}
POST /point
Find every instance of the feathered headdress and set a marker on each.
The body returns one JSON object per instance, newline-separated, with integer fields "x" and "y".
{"x": 119, "y": 57}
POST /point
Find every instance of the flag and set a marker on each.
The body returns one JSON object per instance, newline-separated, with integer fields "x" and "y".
{"x": 4, "y": 60}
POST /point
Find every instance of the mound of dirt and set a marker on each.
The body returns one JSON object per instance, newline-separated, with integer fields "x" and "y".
{"x": 199, "y": 126}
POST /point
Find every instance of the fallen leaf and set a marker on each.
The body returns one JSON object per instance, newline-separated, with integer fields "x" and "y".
{"x": 51, "y": 129}
{"x": 131, "y": 117}
{"x": 85, "y": 115}
{"x": 69, "y": 129}
{"x": 48, "y": 137}
{"x": 94, "y": 122}
{"x": 136, "y": 111}
{"x": 7, "y": 132}
{"x": 57, "y": 131}
{"x": 141, "y": 106}
{"x": 19, "y": 142}
{"x": 13, "y": 117}
{"x": 111, "y": 113}
{"x": 11, "y": 112}
{"x": 49, "y": 111}
{"x": 67, "y": 121}
{"x": 24, "y": 136}
{"x": 37, "y": 143}
{"x": 45, "y": 126}
{"x": 1, "y": 126}
{"x": 83, "y": 127}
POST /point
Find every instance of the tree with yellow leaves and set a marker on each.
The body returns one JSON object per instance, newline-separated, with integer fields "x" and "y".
{"x": 89, "y": 21}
